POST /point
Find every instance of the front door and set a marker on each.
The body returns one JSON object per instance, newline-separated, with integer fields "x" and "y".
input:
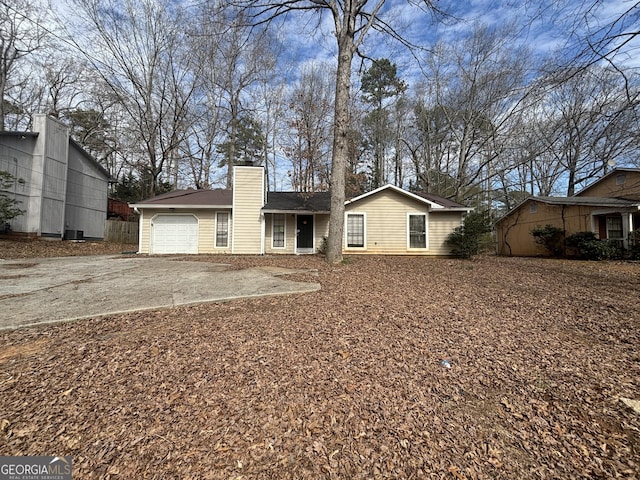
{"x": 304, "y": 235}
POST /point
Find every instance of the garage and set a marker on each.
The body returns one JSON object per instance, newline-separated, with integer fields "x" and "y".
{"x": 174, "y": 234}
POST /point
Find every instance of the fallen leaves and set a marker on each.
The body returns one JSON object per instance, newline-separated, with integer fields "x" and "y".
{"x": 347, "y": 382}
{"x": 36, "y": 248}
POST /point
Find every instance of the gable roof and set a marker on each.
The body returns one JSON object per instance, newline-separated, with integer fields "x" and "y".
{"x": 283, "y": 202}
{"x": 434, "y": 201}
{"x": 445, "y": 202}
{"x": 575, "y": 201}
{"x": 586, "y": 201}
{"x": 218, "y": 198}
{"x": 615, "y": 171}
{"x": 296, "y": 202}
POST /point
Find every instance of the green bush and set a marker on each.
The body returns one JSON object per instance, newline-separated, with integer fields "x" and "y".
{"x": 322, "y": 249}
{"x": 634, "y": 245}
{"x": 550, "y": 238}
{"x": 590, "y": 247}
{"x": 469, "y": 239}
{"x": 8, "y": 206}
{"x": 601, "y": 250}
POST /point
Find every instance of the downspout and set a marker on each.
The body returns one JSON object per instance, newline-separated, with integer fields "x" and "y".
{"x": 140, "y": 222}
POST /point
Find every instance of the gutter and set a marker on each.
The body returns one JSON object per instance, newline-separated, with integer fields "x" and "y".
{"x": 136, "y": 206}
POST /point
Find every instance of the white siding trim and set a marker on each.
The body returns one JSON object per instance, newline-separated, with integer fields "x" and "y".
{"x": 140, "y": 229}
{"x": 389, "y": 186}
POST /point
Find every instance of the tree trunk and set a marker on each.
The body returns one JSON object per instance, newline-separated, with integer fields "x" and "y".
{"x": 340, "y": 148}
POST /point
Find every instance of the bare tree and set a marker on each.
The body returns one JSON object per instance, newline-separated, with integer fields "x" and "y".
{"x": 596, "y": 41}
{"x": 308, "y": 145}
{"x": 243, "y": 56}
{"x": 588, "y": 123}
{"x": 65, "y": 80}
{"x": 140, "y": 56}
{"x": 475, "y": 91}
{"x": 352, "y": 20}
{"x": 21, "y": 34}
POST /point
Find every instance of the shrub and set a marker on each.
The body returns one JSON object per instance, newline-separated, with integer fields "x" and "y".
{"x": 634, "y": 245}
{"x": 467, "y": 240}
{"x": 8, "y": 206}
{"x": 322, "y": 249}
{"x": 550, "y": 238}
{"x": 590, "y": 247}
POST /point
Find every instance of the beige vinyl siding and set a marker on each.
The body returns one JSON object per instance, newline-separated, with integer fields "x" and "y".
{"x": 289, "y": 234}
{"x": 386, "y": 225}
{"x": 206, "y": 228}
{"x": 440, "y": 226}
{"x": 145, "y": 230}
{"x": 322, "y": 229}
{"x": 248, "y": 199}
{"x": 321, "y": 223}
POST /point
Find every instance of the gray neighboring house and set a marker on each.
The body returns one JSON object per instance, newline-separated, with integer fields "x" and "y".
{"x": 62, "y": 189}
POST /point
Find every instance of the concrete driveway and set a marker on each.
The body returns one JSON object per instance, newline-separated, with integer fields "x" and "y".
{"x": 47, "y": 290}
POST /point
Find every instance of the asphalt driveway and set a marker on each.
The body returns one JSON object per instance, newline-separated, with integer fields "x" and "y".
{"x": 47, "y": 290}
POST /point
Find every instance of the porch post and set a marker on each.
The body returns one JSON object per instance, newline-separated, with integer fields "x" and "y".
{"x": 627, "y": 228}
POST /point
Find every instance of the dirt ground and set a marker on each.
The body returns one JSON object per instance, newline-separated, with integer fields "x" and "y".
{"x": 347, "y": 382}
{"x": 34, "y": 248}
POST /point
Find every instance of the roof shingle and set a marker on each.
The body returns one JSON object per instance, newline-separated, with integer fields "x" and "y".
{"x": 217, "y": 197}
{"x": 298, "y": 202}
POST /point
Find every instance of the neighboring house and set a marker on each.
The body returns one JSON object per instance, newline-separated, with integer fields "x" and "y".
{"x": 61, "y": 188}
{"x": 248, "y": 220}
{"x": 610, "y": 207}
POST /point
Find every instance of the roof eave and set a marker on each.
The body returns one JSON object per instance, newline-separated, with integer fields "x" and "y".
{"x": 454, "y": 209}
{"x": 398, "y": 190}
{"x": 304, "y": 212}
{"x": 177, "y": 207}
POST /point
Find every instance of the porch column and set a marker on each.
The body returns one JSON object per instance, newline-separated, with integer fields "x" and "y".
{"x": 627, "y": 228}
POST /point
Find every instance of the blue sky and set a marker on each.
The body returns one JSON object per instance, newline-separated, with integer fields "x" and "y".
{"x": 545, "y": 26}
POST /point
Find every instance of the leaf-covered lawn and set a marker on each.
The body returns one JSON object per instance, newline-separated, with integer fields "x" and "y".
{"x": 36, "y": 248}
{"x": 347, "y": 382}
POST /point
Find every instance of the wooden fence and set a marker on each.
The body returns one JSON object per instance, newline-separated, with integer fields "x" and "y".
{"x": 120, "y": 232}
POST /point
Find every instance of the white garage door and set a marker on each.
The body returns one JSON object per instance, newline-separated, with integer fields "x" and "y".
{"x": 174, "y": 234}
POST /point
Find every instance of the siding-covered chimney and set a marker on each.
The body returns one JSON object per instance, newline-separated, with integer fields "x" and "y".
{"x": 248, "y": 200}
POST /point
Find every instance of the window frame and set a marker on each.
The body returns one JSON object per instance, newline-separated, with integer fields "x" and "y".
{"x": 284, "y": 231}
{"x": 609, "y": 229}
{"x": 426, "y": 230}
{"x": 215, "y": 233}
{"x": 364, "y": 230}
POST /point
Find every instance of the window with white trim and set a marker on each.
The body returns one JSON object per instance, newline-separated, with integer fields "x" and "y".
{"x": 222, "y": 229}
{"x": 355, "y": 230}
{"x": 277, "y": 230}
{"x": 417, "y": 230}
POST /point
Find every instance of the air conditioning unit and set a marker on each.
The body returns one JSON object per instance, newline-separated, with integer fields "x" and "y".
{"x": 74, "y": 234}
